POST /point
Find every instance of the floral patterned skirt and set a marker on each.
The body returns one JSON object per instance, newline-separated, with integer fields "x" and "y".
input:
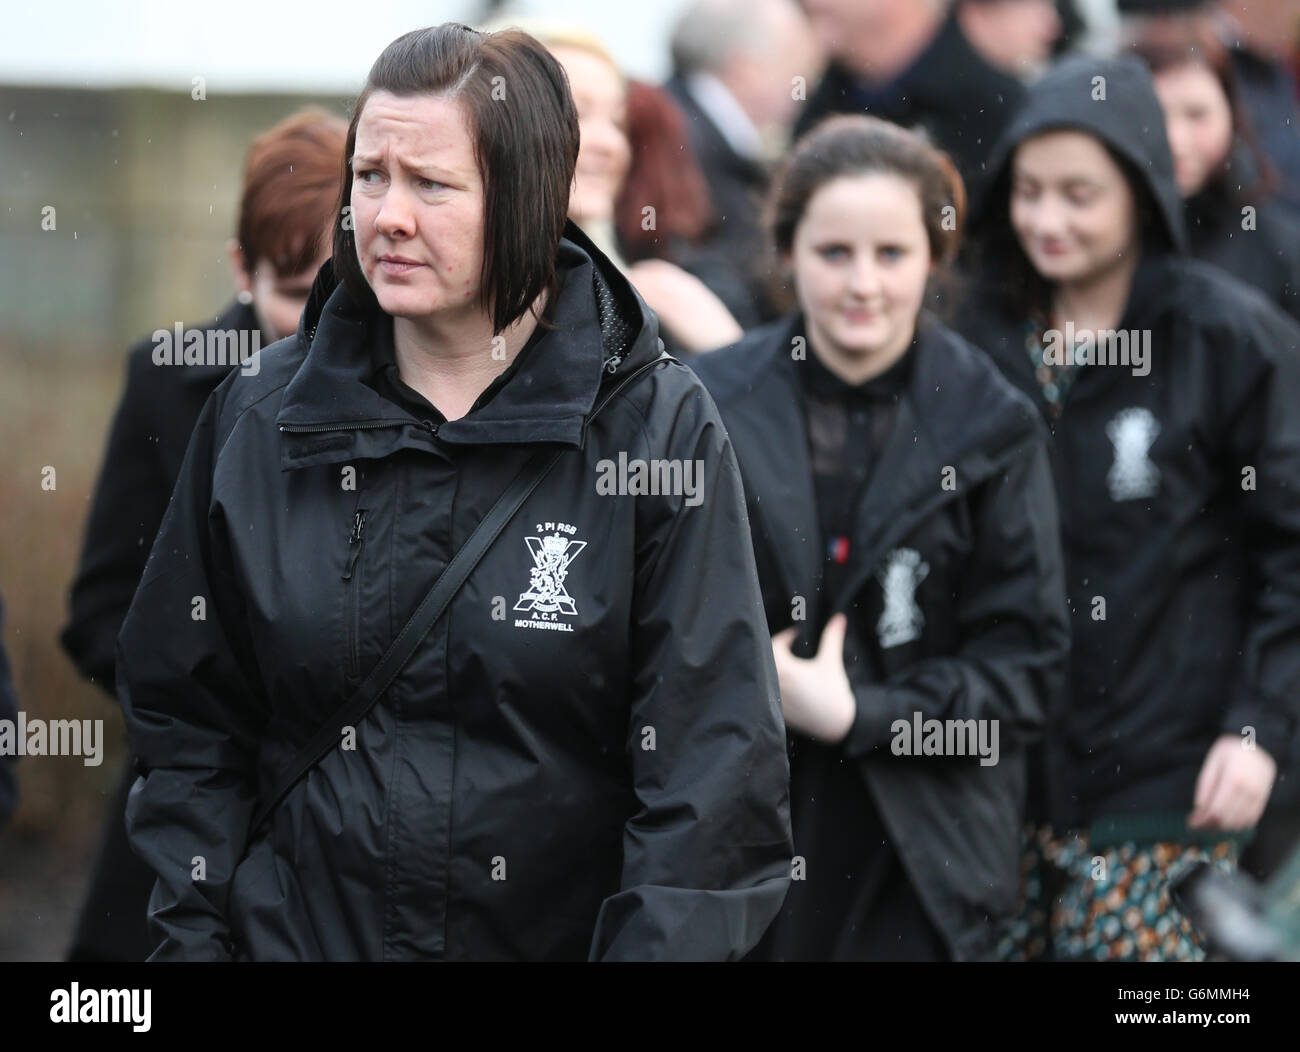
{"x": 1107, "y": 904}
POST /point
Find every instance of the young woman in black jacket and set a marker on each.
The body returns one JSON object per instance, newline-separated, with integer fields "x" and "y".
{"x": 1172, "y": 393}
{"x": 904, "y": 525}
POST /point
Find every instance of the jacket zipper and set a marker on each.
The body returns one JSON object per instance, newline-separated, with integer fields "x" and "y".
{"x": 300, "y": 429}
{"x": 356, "y": 539}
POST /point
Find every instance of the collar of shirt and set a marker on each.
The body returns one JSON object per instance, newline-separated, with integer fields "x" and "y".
{"x": 887, "y": 387}
{"x": 387, "y": 378}
{"x": 727, "y": 115}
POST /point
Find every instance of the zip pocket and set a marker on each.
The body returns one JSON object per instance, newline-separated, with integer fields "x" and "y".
{"x": 352, "y": 575}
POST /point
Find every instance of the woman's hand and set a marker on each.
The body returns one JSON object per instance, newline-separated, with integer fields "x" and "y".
{"x": 689, "y": 310}
{"x": 815, "y": 692}
{"x": 1233, "y": 786}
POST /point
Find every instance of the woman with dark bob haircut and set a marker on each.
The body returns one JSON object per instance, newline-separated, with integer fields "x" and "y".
{"x": 573, "y": 748}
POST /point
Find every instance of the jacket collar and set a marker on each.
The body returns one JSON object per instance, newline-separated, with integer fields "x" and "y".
{"x": 916, "y": 89}
{"x": 235, "y": 317}
{"x": 769, "y": 434}
{"x": 238, "y": 315}
{"x": 954, "y": 412}
{"x": 331, "y": 412}
{"x": 950, "y": 51}
{"x": 711, "y": 143}
{"x": 992, "y": 320}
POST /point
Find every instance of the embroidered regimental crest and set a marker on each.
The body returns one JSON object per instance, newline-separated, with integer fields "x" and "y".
{"x": 1133, "y": 476}
{"x": 547, "y": 597}
{"x": 901, "y": 621}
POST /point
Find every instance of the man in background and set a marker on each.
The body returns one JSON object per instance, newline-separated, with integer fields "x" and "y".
{"x": 1014, "y": 36}
{"x": 910, "y": 62}
{"x": 734, "y": 69}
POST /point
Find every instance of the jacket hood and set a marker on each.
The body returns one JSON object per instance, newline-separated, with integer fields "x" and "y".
{"x": 1128, "y": 119}
{"x": 602, "y": 327}
{"x": 622, "y": 311}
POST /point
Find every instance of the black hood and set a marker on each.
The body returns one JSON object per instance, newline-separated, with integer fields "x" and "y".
{"x": 622, "y": 312}
{"x": 601, "y": 329}
{"x": 1129, "y": 120}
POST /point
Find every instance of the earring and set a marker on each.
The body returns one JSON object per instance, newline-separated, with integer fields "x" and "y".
{"x": 245, "y": 297}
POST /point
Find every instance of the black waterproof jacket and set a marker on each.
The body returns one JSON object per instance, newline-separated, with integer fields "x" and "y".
{"x": 992, "y": 641}
{"x": 1267, "y": 255}
{"x": 1188, "y": 531}
{"x": 611, "y": 786}
{"x": 1179, "y": 496}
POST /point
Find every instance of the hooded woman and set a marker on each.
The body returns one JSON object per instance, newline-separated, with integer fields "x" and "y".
{"x": 1171, "y": 391}
{"x": 904, "y": 525}
{"x": 572, "y": 749}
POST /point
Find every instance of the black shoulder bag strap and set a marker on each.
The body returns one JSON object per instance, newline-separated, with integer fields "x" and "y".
{"x": 427, "y": 613}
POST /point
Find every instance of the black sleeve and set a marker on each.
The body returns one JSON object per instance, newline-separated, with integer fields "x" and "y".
{"x": 1010, "y": 664}
{"x": 1263, "y": 474}
{"x": 130, "y": 497}
{"x": 195, "y": 711}
{"x": 706, "y": 858}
